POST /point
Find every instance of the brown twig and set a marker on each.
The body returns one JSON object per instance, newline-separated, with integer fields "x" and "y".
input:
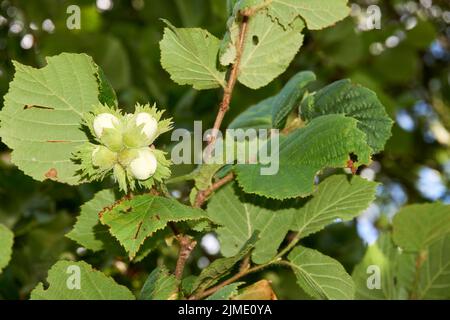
{"x": 204, "y": 194}
{"x": 187, "y": 245}
{"x": 228, "y": 91}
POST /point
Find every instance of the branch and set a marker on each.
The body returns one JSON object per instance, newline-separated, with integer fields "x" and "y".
{"x": 237, "y": 276}
{"x": 245, "y": 270}
{"x": 187, "y": 245}
{"x": 228, "y": 91}
{"x": 290, "y": 245}
{"x": 204, "y": 194}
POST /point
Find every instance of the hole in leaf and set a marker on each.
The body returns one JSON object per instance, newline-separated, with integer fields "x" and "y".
{"x": 51, "y": 174}
{"x": 27, "y": 107}
{"x": 255, "y": 40}
{"x": 353, "y": 157}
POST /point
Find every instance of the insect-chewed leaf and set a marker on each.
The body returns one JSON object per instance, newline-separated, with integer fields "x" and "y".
{"x": 70, "y": 280}
{"x": 317, "y": 14}
{"x": 190, "y": 56}
{"x": 338, "y": 197}
{"x": 132, "y": 221}
{"x": 321, "y": 276}
{"x": 343, "y": 97}
{"x": 42, "y": 116}
{"x": 6, "y": 243}
{"x": 326, "y": 142}
{"x": 92, "y": 235}
{"x": 268, "y": 50}
{"x": 88, "y": 231}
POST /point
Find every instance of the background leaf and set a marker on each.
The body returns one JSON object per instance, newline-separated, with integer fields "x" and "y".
{"x": 417, "y": 226}
{"x": 219, "y": 268}
{"x": 6, "y": 244}
{"x": 258, "y": 116}
{"x": 227, "y": 292}
{"x": 160, "y": 285}
{"x": 88, "y": 231}
{"x": 337, "y": 197}
{"x": 239, "y": 216}
{"x": 321, "y": 276}
{"x": 397, "y": 271}
{"x": 261, "y": 290}
{"x": 94, "y": 285}
{"x": 434, "y": 272}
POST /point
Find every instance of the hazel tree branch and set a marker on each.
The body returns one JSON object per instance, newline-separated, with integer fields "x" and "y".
{"x": 203, "y": 195}
{"x": 228, "y": 91}
{"x": 236, "y": 277}
{"x": 187, "y": 245}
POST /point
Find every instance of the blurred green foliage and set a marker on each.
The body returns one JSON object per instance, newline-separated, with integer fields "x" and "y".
{"x": 406, "y": 62}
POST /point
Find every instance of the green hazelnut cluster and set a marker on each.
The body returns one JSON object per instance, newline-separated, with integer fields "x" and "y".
{"x": 123, "y": 146}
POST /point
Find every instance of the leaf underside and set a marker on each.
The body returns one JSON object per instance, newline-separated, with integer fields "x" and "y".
{"x": 190, "y": 57}
{"x": 321, "y": 276}
{"x": 337, "y": 197}
{"x": 42, "y": 115}
{"x": 239, "y": 216}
